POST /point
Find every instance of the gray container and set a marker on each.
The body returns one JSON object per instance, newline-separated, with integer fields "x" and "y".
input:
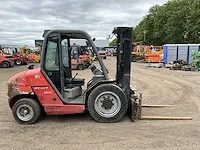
{"x": 172, "y": 53}
{"x": 183, "y": 52}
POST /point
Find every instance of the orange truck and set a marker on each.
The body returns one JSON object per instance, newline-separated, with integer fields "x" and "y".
{"x": 148, "y": 53}
{"x": 156, "y": 55}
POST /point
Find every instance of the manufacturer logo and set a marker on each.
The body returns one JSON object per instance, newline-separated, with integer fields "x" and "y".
{"x": 37, "y": 76}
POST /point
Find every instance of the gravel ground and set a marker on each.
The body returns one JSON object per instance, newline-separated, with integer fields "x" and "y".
{"x": 158, "y": 85}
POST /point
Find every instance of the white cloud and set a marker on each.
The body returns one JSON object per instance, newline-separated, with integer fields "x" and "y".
{"x": 24, "y": 21}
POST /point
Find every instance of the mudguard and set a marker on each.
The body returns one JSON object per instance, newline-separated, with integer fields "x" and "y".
{"x": 18, "y": 85}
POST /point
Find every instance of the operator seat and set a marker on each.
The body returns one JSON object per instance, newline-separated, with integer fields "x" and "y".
{"x": 70, "y": 81}
{"x": 72, "y": 86}
{"x": 75, "y": 81}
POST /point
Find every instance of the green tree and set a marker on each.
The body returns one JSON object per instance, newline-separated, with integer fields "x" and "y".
{"x": 177, "y": 21}
{"x": 113, "y": 43}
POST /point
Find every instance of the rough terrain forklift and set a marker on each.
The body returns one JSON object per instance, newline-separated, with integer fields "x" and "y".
{"x": 52, "y": 88}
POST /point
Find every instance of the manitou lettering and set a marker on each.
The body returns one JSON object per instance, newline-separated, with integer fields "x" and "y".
{"x": 41, "y": 88}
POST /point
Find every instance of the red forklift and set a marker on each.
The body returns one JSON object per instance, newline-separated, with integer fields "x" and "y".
{"x": 52, "y": 88}
{"x": 6, "y": 60}
{"x": 21, "y": 56}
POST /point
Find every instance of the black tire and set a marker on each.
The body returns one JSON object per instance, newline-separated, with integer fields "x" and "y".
{"x": 80, "y": 67}
{"x": 18, "y": 62}
{"x": 104, "y": 57}
{"x": 96, "y": 93}
{"x": 36, "y": 109}
{"x": 133, "y": 58}
{"x": 5, "y": 64}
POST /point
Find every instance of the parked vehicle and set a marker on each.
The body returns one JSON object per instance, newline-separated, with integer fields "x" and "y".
{"x": 35, "y": 57}
{"x": 79, "y": 58}
{"x": 111, "y": 50}
{"x": 108, "y": 53}
{"x": 196, "y": 60}
{"x": 30, "y": 54}
{"x": 147, "y": 53}
{"x": 102, "y": 53}
{"x": 52, "y": 88}
{"x": 20, "y": 59}
{"x": 156, "y": 55}
{"x": 6, "y": 61}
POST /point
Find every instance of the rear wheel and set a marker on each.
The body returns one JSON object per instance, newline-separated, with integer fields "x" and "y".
{"x": 18, "y": 62}
{"x": 107, "y": 103}
{"x": 5, "y": 64}
{"x": 133, "y": 58}
{"x": 26, "y": 111}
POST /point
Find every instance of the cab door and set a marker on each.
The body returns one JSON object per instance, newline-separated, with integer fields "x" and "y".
{"x": 51, "y": 65}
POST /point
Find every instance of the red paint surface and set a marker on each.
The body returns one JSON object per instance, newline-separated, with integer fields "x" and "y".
{"x": 3, "y": 58}
{"x": 33, "y": 80}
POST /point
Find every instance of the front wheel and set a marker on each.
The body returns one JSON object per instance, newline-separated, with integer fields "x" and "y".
{"x": 107, "y": 103}
{"x": 18, "y": 62}
{"x": 26, "y": 111}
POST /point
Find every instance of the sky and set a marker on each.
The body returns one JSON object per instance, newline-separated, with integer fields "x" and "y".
{"x": 23, "y": 21}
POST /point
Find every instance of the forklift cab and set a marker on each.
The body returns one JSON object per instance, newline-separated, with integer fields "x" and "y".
{"x": 56, "y": 64}
{"x": 57, "y": 68}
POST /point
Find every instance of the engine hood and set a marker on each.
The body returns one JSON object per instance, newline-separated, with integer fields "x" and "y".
{"x": 32, "y": 77}
{"x": 18, "y": 79}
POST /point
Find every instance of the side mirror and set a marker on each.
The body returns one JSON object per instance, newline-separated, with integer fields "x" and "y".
{"x": 87, "y": 43}
{"x": 31, "y": 66}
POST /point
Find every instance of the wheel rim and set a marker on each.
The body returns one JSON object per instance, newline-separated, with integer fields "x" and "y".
{"x": 18, "y": 62}
{"x": 107, "y": 104}
{"x": 80, "y": 67}
{"x": 25, "y": 112}
{"x": 4, "y": 65}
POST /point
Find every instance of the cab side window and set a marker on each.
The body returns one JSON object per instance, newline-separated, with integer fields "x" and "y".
{"x": 65, "y": 52}
{"x": 52, "y": 57}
